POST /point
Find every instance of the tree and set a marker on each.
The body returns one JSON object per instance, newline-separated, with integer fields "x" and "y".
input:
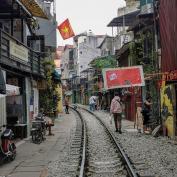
{"x": 49, "y": 97}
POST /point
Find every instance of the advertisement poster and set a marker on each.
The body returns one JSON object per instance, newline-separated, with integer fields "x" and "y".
{"x": 123, "y": 77}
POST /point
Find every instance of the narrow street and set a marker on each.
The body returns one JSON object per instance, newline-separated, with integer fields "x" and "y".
{"x": 100, "y": 77}
{"x": 149, "y": 155}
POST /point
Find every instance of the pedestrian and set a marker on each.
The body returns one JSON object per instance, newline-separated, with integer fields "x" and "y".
{"x": 66, "y": 105}
{"x": 92, "y": 103}
{"x": 146, "y": 112}
{"x": 116, "y": 110}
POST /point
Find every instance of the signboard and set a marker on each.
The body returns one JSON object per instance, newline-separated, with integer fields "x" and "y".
{"x": 169, "y": 76}
{"x": 123, "y": 77}
{"x": 18, "y": 51}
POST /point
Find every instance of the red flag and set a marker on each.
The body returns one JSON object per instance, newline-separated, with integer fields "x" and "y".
{"x": 66, "y": 30}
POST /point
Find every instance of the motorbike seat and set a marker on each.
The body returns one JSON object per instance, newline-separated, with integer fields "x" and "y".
{"x": 34, "y": 129}
{"x": 7, "y": 133}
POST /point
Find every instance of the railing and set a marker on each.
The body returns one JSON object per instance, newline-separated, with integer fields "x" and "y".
{"x": 25, "y": 59}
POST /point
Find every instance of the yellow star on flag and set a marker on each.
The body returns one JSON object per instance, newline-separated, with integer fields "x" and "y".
{"x": 65, "y": 29}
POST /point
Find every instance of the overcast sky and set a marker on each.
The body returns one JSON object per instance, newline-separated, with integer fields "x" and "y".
{"x": 87, "y": 14}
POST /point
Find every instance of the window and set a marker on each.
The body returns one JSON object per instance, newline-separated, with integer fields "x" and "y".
{"x": 71, "y": 53}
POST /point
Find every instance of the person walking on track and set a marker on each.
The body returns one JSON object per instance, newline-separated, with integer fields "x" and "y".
{"x": 116, "y": 110}
{"x": 92, "y": 103}
{"x": 66, "y": 105}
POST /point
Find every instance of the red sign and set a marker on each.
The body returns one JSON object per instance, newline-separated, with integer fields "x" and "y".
{"x": 123, "y": 77}
{"x": 169, "y": 76}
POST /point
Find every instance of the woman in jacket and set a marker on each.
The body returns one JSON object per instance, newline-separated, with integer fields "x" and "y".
{"x": 116, "y": 110}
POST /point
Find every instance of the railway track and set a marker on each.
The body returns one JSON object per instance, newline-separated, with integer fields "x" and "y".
{"x": 96, "y": 150}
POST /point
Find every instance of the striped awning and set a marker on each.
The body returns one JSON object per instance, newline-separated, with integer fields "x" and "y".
{"x": 34, "y": 8}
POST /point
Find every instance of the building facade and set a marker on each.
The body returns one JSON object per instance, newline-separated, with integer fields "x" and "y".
{"x": 20, "y": 64}
{"x": 86, "y": 49}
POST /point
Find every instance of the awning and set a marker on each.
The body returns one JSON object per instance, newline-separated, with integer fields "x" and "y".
{"x": 127, "y": 19}
{"x": 122, "y": 50}
{"x": 12, "y": 90}
{"x": 34, "y": 8}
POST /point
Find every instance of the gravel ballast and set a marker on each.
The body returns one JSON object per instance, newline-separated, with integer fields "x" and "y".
{"x": 151, "y": 156}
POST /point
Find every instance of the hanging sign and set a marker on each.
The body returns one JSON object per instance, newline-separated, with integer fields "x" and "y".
{"x": 18, "y": 51}
{"x": 123, "y": 77}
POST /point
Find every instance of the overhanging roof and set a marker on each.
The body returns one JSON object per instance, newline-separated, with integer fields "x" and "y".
{"x": 122, "y": 50}
{"x": 127, "y": 19}
{"x": 34, "y": 8}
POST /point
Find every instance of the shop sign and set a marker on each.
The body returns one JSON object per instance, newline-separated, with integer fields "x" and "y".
{"x": 170, "y": 76}
{"x": 18, "y": 51}
{"x": 123, "y": 77}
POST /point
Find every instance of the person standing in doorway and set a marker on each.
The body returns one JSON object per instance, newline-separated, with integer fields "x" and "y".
{"x": 146, "y": 112}
{"x": 66, "y": 105}
{"x": 116, "y": 110}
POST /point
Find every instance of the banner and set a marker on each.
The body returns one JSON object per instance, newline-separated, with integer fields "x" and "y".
{"x": 123, "y": 77}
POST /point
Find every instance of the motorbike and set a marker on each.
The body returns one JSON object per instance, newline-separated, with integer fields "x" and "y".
{"x": 38, "y": 130}
{"x": 41, "y": 118}
{"x": 7, "y": 146}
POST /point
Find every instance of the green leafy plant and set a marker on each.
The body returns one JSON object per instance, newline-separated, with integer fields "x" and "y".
{"x": 104, "y": 62}
{"x": 49, "y": 97}
{"x": 142, "y": 51}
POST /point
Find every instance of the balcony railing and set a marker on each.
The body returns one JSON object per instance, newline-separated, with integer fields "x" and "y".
{"x": 15, "y": 54}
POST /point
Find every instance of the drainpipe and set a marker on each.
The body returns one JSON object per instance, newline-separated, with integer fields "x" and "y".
{"x": 156, "y": 52}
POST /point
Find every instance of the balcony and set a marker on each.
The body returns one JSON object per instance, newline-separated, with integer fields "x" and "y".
{"x": 14, "y": 54}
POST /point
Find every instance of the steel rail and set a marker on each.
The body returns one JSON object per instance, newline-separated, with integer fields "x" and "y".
{"x": 128, "y": 165}
{"x": 83, "y": 156}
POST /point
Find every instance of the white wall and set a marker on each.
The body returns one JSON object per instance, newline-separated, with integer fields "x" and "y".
{"x": 2, "y": 110}
{"x": 28, "y": 94}
{"x": 87, "y": 51}
{"x": 36, "y": 101}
